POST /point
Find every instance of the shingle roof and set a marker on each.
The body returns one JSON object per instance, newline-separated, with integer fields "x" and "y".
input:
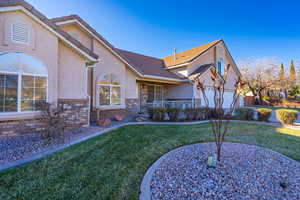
{"x": 44, "y": 19}
{"x": 148, "y": 65}
{"x": 188, "y": 55}
{"x": 200, "y": 70}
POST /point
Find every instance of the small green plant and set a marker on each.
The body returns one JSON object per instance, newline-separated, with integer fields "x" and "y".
{"x": 244, "y": 114}
{"x": 191, "y": 114}
{"x": 264, "y": 114}
{"x": 159, "y": 113}
{"x": 173, "y": 113}
{"x": 287, "y": 116}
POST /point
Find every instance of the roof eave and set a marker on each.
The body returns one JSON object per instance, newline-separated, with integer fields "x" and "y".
{"x": 52, "y": 30}
{"x": 102, "y": 42}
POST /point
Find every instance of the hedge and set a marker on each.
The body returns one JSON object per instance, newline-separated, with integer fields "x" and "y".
{"x": 287, "y": 116}
{"x": 264, "y": 114}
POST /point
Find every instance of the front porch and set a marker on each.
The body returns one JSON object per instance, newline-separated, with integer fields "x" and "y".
{"x": 153, "y": 94}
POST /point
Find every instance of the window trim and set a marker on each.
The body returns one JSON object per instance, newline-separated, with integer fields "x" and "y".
{"x": 12, "y": 32}
{"x": 19, "y": 97}
{"x": 98, "y": 85}
{"x": 221, "y": 61}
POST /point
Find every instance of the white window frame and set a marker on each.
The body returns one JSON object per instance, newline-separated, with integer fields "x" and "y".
{"x": 162, "y": 92}
{"x": 19, "y": 94}
{"x": 110, "y": 92}
{"x": 12, "y": 33}
{"x": 222, "y": 61}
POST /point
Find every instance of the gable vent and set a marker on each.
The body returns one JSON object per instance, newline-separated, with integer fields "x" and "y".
{"x": 20, "y": 33}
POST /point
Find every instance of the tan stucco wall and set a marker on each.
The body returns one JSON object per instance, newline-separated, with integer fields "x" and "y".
{"x": 66, "y": 69}
{"x": 131, "y": 89}
{"x": 208, "y": 57}
{"x": 43, "y": 45}
{"x": 109, "y": 64}
{"x": 183, "y": 91}
{"x": 205, "y": 58}
{"x": 72, "y": 74}
{"x": 85, "y": 39}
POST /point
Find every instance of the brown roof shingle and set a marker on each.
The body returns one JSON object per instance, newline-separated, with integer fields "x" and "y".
{"x": 200, "y": 70}
{"x": 148, "y": 65}
{"x": 44, "y": 19}
{"x": 188, "y": 55}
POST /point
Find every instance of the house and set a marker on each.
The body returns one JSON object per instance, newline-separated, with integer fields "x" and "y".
{"x": 67, "y": 62}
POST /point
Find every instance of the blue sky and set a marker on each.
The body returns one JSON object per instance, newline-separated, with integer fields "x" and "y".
{"x": 255, "y": 29}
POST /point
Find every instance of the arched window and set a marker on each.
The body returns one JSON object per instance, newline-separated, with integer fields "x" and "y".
{"x": 109, "y": 90}
{"x": 221, "y": 66}
{"x": 23, "y": 82}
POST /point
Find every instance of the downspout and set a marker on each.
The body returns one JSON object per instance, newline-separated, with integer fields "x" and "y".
{"x": 88, "y": 65}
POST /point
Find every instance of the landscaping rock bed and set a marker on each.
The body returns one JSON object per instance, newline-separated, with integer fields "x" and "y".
{"x": 245, "y": 172}
{"x": 13, "y": 148}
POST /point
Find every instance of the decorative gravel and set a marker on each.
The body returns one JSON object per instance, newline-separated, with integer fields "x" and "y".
{"x": 14, "y": 148}
{"x": 245, "y": 172}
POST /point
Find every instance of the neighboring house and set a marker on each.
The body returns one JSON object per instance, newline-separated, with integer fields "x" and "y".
{"x": 66, "y": 62}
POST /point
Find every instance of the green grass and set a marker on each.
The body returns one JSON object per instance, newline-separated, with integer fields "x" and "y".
{"x": 112, "y": 166}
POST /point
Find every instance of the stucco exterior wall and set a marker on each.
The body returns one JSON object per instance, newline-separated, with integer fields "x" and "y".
{"x": 131, "y": 90}
{"x": 43, "y": 45}
{"x": 85, "y": 39}
{"x": 72, "y": 74}
{"x": 109, "y": 64}
{"x": 182, "y": 91}
{"x": 208, "y": 57}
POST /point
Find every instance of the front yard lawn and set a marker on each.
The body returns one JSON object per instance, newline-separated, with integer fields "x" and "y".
{"x": 111, "y": 166}
{"x": 276, "y": 108}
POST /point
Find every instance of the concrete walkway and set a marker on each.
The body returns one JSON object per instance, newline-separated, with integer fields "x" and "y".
{"x": 44, "y": 154}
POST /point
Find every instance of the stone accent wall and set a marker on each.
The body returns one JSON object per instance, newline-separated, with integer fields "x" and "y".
{"x": 197, "y": 103}
{"x": 143, "y": 93}
{"x": 20, "y": 127}
{"x": 75, "y": 112}
{"x": 132, "y": 105}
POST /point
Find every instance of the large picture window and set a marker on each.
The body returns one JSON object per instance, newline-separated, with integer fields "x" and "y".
{"x": 23, "y": 83}
{"x": 8, "y": 93}
{"x": 109, "y": 90}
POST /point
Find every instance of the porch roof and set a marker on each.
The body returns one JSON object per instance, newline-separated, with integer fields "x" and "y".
{"x": 149, "y": 65}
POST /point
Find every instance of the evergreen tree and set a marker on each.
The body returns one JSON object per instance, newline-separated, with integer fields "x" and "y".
{"x": 281, "y": 73}
{"x": 292, "y": 73}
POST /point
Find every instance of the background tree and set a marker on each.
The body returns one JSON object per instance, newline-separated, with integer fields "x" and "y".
{"x": 259, "y": 75}
{"x": 281, "y": 73}
{"x": 292, "y": 74}
{"x": 220, "y": 117}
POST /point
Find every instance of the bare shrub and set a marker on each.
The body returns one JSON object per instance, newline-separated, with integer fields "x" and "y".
{"x": 219, "y": 117}
{"x": 52, "y": 119}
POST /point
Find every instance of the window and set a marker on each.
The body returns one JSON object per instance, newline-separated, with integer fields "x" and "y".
{"x": 109, "y": 90}
{"x": 155, "y": 93}
{"x": 33, "y": 92}
{"x": 221, "y": 67}
{"x": 20, "y": 33}
{"x": 8, "y": 92}
{"x": 23, "y": 82}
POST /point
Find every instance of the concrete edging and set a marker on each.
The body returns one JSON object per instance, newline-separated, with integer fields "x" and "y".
{"x": 145, "y": 187}
{"x": 46, "y": 153}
